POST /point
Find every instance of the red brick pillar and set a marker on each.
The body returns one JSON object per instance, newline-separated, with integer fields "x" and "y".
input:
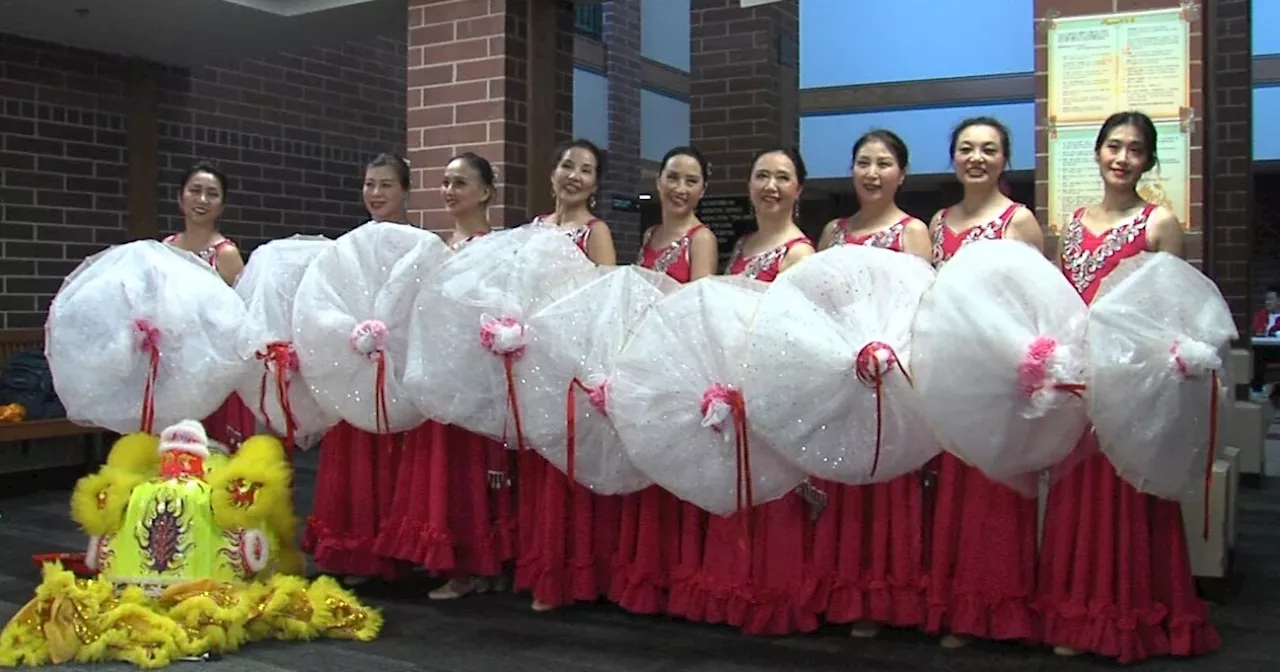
{"x": 1228, "y": 153}
{"x": 744, "y": 84}
{"x": 622, "y": 62}
{"x": 492, "y": 78}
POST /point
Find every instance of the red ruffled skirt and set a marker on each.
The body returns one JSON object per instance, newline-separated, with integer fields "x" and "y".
{"x": 1115, "y": 576}
{"x": 452, "y": 512}
{"x": 231, "y": 424}
{"x": 568, "y": 535}
{"x": 354, "y": 493}
{"x": 652, "y": 549}
{"x": 982, "y": 559}
{"x": 753, "y": 576}
{"x": 868, "y": 552}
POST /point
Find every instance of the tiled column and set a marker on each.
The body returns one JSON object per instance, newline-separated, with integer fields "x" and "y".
{"x": 745, "y": 84}
{"x": 495, "y": 78}
{"x": 622, "y": 62}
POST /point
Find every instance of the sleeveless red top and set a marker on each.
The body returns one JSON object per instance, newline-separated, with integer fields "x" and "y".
{"x": 764, "y": 266}
{"x": 577, "y": 234}
{"x": 674, "y": 259}
{"x": 947, "y": 242}
{"x": 209, "y": 254}
{"x": 889, "y": 238}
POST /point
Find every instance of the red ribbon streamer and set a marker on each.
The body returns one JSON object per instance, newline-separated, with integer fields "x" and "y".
{"x": 742, "y": 447}
{"x": 571, "y": 421}
{"x": 746, "y": 486}
{"x": 382, "y": 419}
{"x": 1213, "y": 450}
{"x": 150, "y": 345}
{"x": 508, "y": 367}
{"x": 285, "y": 359}
{"x": 867, "y": 368}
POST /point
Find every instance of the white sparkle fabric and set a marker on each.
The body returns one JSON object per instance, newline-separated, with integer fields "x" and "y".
{"x": 998, "y": 344}
{"x": 828, "y": 362}
{"x": 1159, "y": 336}
{"x": 577, "y": 337}
{"x": 672, "y": 399}
{"x": 268, "y": 286}
{"x": 474, "y": 312}
{"x": 352, "y": 310}
{"x": 121, "y": 305}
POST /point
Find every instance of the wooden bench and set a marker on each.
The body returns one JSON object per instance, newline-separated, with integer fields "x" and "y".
{"x": 13, "y": 341}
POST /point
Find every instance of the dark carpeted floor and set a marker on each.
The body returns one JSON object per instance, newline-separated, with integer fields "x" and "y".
{"x": 499, "y": 633}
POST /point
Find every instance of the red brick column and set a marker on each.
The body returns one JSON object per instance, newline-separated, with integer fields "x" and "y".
{"x": 495, "y": 78}
{"x": 745, "y": 84}
{"x": 1228, "y": 198}
{"x": 622, "y": 62}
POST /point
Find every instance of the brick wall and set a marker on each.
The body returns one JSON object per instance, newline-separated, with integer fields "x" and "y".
{"x": 292, "y": 132}
{"x": 744, "y": 83}
{"x": 622, "y": 62}
{"x": 469, "y": 80}
{"x": 1229, "y": 183}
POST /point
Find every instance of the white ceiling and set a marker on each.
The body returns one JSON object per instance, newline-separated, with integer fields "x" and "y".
{"x": 201, "y": 32}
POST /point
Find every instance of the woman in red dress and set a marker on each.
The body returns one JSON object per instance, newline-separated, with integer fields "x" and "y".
{"x": 758, "y": 583}
{"x": 203, "y": 194}
{"x": 1115, "y": 577}
{"x": 568, "y": 535}
{"x": 660, "y": 548}
{"x": 981, "y": 543}
{"x": 452, "y": 512}
{"x": 868, "y": 542}
{"x": 357, "y": 474}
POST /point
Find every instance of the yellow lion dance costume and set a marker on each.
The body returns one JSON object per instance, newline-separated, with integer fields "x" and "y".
{"x": 196, "y": 554}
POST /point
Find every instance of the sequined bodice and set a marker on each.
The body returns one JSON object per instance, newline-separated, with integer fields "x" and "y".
{"x": 674, "y": 259}
{"x": 764, "y": 266}
{"x": 577, "y": 234}
{"x": 889, "y": 238}
{"x": 1087, "y": 257}
{"x": 946, "y": 243}
{"x": 208, "y": 254}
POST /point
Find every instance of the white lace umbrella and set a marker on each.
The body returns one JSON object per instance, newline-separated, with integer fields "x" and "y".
{"x": 274, "y": 390}
{"x": 831, "y": 351}
{"x": 351, "y": 322}
{"x": 474, "y": 311}
{"x": 1159, "y": 336}
{"x": 676, "y": 400}
{"x": 573, "y": 343}
{"x": 142, "y": 336}
{"x": 999, "y": 360}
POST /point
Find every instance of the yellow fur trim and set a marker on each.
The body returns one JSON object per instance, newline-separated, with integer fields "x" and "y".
{"x": 89, "y": 621}
{"x": 253, "y": 486}
{"x": 137, "y": 453}
{"x": 99, "y": 500}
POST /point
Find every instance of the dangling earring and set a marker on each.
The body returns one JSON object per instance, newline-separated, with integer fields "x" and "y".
{"x": 591, "y": 202}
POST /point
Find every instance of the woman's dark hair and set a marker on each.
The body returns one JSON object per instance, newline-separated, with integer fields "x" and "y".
{"x": 690, "y": 152}
{"x": 581, "y": 143}
{"x": 482, "y": 167}
{"x": 1006, "y": 146}
{"x": 1137, "y": 120}
{"x": 397, "y": 163}
{"x": 791, "y": 153}
{"x": 204, "y": 167}
{"x": 891, "y": 142}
